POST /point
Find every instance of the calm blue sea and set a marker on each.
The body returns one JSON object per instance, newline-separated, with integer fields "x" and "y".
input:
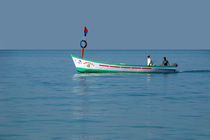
{"x": 43, "y": 97}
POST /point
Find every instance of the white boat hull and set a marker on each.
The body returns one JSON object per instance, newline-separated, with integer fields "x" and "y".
{"x": 87, "y": 66}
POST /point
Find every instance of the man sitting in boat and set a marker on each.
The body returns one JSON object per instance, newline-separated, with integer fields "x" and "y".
{"x": 149, "y": 61}
{"x": 165, "y": 62}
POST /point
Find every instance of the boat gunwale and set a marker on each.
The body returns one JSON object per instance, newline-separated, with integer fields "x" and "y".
{"x": 121, "y": 64}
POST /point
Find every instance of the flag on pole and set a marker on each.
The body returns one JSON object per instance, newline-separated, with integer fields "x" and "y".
{"x": 85, "y": 31}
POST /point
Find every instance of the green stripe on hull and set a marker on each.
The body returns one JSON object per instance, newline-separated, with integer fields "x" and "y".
{"x": 84, "y": 70}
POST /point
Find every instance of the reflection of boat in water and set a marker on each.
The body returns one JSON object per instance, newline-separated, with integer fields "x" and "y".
{"x": 88, "y": 66}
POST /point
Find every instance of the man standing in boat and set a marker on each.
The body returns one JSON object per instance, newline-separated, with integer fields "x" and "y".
{"x": 149, "y": 61}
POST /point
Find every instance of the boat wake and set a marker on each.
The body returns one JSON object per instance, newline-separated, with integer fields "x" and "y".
{"x": 194, "y": 71}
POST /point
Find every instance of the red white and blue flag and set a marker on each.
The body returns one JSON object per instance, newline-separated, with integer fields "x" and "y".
{"x": 85, "y": 31}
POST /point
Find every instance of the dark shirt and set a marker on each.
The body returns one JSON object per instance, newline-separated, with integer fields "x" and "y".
{"x": 165, "y": 62}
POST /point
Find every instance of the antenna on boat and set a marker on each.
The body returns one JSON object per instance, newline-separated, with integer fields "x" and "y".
{"x": 83, "y": 42}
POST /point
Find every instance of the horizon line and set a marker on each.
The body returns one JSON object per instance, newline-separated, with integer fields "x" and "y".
{"x": 104, "y": 49}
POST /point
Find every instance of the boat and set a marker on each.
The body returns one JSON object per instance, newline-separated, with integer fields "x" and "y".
{"x": 88, "y": 66}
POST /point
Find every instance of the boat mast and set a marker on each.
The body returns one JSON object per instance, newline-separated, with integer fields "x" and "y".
{"x": 83, "y": 42}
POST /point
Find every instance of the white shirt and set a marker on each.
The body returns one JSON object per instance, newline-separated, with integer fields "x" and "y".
{"x": 149, "y": 61}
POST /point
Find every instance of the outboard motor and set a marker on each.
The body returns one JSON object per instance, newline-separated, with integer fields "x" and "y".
{"x": 176, "y": 65}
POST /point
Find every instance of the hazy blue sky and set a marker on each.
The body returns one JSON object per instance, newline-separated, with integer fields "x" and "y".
{"x": 112, "y": 24}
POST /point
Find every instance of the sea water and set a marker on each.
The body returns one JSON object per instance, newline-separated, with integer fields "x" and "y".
{"x": 42, "y": 97}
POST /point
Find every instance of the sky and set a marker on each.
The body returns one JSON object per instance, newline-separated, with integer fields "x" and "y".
{"x": 112, "y": 24}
